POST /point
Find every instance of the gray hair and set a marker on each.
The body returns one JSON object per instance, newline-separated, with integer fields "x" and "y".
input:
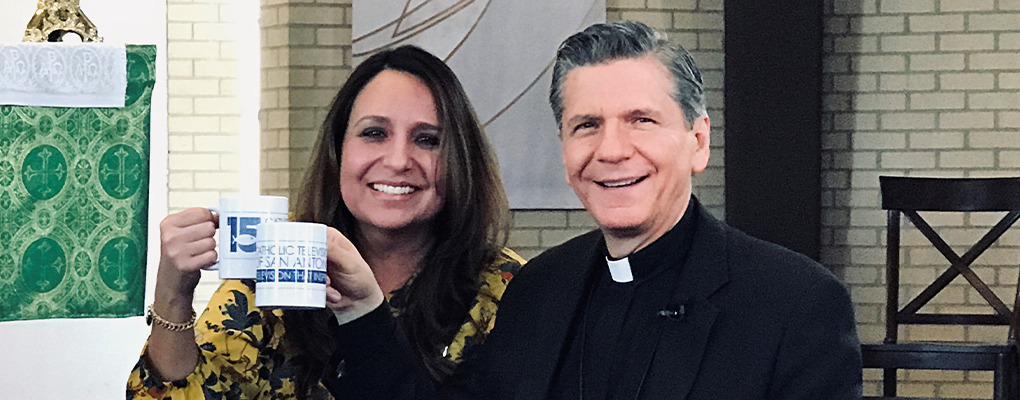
{"x": 602, "y": 43}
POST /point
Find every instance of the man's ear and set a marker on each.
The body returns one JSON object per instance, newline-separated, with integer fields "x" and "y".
{"x": 702, "y": 133}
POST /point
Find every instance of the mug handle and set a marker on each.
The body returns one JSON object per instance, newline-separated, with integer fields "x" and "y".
{"x": 215, "y": 266}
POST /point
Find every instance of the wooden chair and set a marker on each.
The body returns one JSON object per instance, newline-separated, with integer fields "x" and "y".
{"x": 907, "y": 196}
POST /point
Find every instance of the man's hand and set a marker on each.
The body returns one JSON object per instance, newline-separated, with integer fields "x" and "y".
{"x": 351, "y": 288}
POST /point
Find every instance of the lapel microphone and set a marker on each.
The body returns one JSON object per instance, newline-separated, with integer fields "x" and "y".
{"x": 672, "y": 312}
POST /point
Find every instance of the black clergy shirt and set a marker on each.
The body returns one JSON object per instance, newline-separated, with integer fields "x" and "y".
{"x": 616, "y": 316}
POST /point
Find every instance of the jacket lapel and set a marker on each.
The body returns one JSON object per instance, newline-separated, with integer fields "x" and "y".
{"x": 563, "y": 291}
{"x": 678, "y": 343}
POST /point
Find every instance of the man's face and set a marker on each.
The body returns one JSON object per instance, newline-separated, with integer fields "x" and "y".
{"x": 629, "y": 155}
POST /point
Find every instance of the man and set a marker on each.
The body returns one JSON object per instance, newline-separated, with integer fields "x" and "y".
{"x": 662, "y": 301}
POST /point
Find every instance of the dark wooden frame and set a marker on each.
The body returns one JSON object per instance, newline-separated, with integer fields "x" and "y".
{"x": 907, "y": 196}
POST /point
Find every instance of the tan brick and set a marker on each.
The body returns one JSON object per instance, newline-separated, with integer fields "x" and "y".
{"x": 180, "y": 68}
{"x": 993, "y": 22}
{"x": 316, "y": 15}
{"x": 908, "y": 160}
{"x": 886, "y": 63}
{"x": 178, "y": 30}
{"x": 993, "y": 140}
{"x": 836, "y": 25}
{"x": 625, "y": 3}
{"x": 192, "y": 162}
{"x": 222, "y": 69}
{"x": 333, "y": 36}
{"x": 967, "y": 81}
{"x": 995, "y": 61}
{"x": 699, "y": 21}
{"x": 217, "y": 105}
{"x": 193, "y": 124}
{"x": 969, "y": 390}
{"x": 329, "y": 57}
{"x": 966, "y": 5}
{"x": 1009, "y": 159}
{"x": 937, "y": 62}
{"x": 880, "y": 102}
{"x": 868, "y": 25}
{"x": 1008, "y": 119}
{"x": 179, "y": 200}
{"x": 879, "y": 141}
{"x": 673, "y": 4}
{"x": 937, "y": 101}
{"x": 214, "y": 31}
{"x": 179, "y": 105}
{"x": 1009, "y": 4}
{"x": 1009, "y": 81}
{"x": 934, "y": 375}
{"x": 226, "y": 181}
{"x": 554, "y": 237}
{"x": 908, "y": 43}
{"x": 908, "y": 121}
{"x": 855, "y": 44}
{"x": 192, "y": 12}
{"x": 936, "y": 23}
{"x": 966, "y": 159}
{"x": 907, "y": 6}
{"x": 936, "y": 140}
{"x": 966, "y": 120}
{"x": 856, "y": 121}
{"x": 523, "y": 238}
{"x": 855, "y": 7}
{"x": 654, "y": 19}
{"x": 180, "y": 180}
{"x": 965, "y": 42}
{"x": 911, "y": 82}
{"x": 1009, "y": 41}
{"x": 197, "y": 50}
{"x": 540, "y": 219}
{"x": 993, "y": 101}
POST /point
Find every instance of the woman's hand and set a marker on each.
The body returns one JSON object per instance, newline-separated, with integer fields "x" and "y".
{"x": 351, "y": 288}
{"x": 186, "y": 246}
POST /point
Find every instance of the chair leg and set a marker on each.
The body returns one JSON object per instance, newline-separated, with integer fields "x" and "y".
{"x": 889, "y": 382}
{"x": 998, "y": 386}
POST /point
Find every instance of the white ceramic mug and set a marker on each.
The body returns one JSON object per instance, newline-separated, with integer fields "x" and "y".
{"x": 239, "y": 219}
{"x": 292, "y": 265}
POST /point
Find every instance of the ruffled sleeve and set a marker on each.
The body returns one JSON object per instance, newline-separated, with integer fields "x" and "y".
{"x": 238, "y": 345}
{"x": 482, "y": 316}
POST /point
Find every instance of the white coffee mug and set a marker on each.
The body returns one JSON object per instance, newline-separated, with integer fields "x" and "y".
{"x": 292, "y": 265}
{"x": 239, "y": 219}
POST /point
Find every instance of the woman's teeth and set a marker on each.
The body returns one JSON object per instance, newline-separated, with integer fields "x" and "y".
{"x": 392, "y": 189}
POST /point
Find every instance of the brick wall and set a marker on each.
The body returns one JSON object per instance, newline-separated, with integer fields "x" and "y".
{"x": 918, "y": 88}
{"x": 204, "y": 109}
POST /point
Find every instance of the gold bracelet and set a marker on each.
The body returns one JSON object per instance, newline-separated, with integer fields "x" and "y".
{"x": 151, "y": 316}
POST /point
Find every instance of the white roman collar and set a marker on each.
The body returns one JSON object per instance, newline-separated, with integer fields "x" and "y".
{"x": 620, "y": 270}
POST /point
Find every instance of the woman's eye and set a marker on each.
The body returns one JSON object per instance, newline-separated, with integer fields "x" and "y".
{"x": 427, "y": 140}
{"x": 373, "y": 133}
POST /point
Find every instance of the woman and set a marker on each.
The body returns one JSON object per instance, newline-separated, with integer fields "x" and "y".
{"x": 403, "y": 170}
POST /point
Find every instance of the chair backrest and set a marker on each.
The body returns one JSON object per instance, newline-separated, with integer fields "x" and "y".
{"x": 907, "y": 196}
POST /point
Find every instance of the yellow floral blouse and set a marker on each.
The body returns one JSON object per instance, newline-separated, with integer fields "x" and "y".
{"x": 241, "y": 353}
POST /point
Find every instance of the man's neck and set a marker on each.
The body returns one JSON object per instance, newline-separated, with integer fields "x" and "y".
{"x": 621, "y": 243}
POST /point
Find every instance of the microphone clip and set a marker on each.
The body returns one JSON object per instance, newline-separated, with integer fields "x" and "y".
{"x": 673, "y": 312}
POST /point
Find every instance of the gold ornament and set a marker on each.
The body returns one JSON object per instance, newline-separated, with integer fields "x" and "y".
{"x": 55, "y": 18}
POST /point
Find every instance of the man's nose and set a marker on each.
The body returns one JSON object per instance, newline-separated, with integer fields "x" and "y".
{"x": 614, "y": 144}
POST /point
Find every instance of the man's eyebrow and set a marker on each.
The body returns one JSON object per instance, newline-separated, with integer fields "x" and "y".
{"x": 640, "y": 112}
{"x": 583, "y": 118}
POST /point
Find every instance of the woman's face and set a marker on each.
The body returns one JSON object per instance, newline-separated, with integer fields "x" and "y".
{"x": 390, "y": 160}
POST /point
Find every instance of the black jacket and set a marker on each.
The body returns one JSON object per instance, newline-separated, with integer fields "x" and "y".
{"x": 758, "y": 322}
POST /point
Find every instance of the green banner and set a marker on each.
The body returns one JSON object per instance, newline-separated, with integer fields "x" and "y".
{"x": 74, "y": 191}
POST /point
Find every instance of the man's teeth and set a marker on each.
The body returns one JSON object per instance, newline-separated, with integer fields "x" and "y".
{"x": 615, "y": 184}
{"x": 392, "y": 189}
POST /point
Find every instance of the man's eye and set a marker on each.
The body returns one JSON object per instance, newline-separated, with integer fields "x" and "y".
{"x": 645, "y": 120}
{"x": 427, "y": 140}
{"x": 584, "y": 126}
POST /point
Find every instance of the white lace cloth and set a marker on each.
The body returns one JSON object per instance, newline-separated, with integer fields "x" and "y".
{"x": 63, "y": 75}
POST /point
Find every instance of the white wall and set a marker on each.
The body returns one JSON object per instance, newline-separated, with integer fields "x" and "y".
{"x": 91, "y": 358}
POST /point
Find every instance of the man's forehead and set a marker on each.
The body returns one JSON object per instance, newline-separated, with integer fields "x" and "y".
{"x": 624, "y": 86}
